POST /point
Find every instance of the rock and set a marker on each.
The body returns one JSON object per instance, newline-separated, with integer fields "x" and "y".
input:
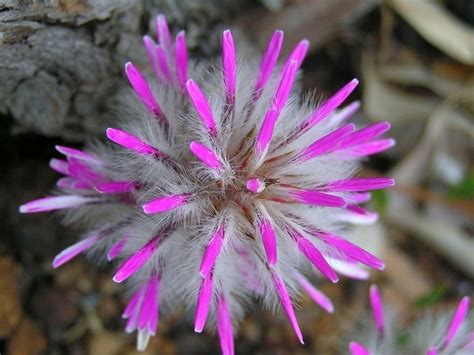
{"x": 28, "y": 340}
{"x": 10, "y": 307}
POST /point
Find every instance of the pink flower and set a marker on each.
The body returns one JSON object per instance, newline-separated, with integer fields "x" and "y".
{"x": 219, "y": 187}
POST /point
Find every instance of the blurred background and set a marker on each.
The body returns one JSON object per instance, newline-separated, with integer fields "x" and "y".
{"x": 61, "y": 71}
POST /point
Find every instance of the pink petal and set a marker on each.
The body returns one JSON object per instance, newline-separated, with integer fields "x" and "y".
{"x": 331, "y": 104}
{"x": 326, "y": 143}
{"x": 224, "y": 327}
{"x": 212, "y": 252}
{"x": 56, "y": 203}
{"x": 360, "y": 197}
{"x": 352, "y": 251}
{"x": 357, "y": 349}
{"x": 131, "y": 142}
{"x": 348, "y": 269}
{"x": 206, "y": 155}
{"x": 229, "y": 65}
{"x": 83, "y": 172}
{"x": 181, "y": 58}
{"x": 265, "y": 133}
{"x": 201, "y": 106}
{"x": 269, "y": 59}
{"x": 150, "y": 47}
{"x": 358, "y": 216}
{"x": 60, "y": 166}
{"x": 347, "y": 112}
{"x": 317, "y": 296}
{"x": 432, "y": 351}
{"x": 365, "y": 134}
{"x": 377, "y": 309}
{"x": 136, "y": 261}
{"x": 286, "y": 304}
{"x": 74, "y": 250}
{"x": 142, "y": 89}
{"x": 148, "y": 317}
{"x": 255, "y": 185}
{"x": 163, "y": 62}
{"x": 72, "y": 183}
{"x": 115, "y": 187}
{"x": 369, "y": 148}
{"x": 78, "y": 154}
{"x": 458, "y": 318}
{"x": 203, "y": 303}
{"x": 163, "y": 32}
{"x": 360, "y": 184}
{"x": 116, "y": 249}
{"x": 298, "y": 54}
{"x": 267, "y": 232}
{"x": 317, "y": 198}
{"x": 135, "y": 301}
{"x": 315, "y": 257}
{"x": 165, "y": 204}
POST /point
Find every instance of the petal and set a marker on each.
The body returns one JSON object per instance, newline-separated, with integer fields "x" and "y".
{"x": 134, "y": 303}
{"x": 115, "y": 187}
{"x": 77, "y": 154}
{"x": 317, "y": 296}
{"x": 348, "y": 269}
{"x": 269, "y": 59}
{"x": 265, "y": 133}
{"x": 201, "y": 106}
{"x": 148, "y": 318}
{"x": 286, "y": 304}
{"x": 116, "y": 249}
{"x": 150, "y": 47}
{"x": 360, "y": 184}
{"x": 267, "y": 233}
{"x": 365, "y": 134}
{"x": 317, "y": 198}
{"x": 163, "y": 32}
{"x": 352, "y": 251}
{"x": 315, "y": 257}
{"x": 71, "y": 183}
{"x": 212, "y": 252}
{"x": 330, "y": 104}
{"x": 74, "y": 250}
{"x": 60, "y": 166}
{"x": 458, "y": 318}
{"x": 143, "y": 337}
{"x": 142, "y": 89}
{"x": 163, "y": 62}
{"x": 327, "y": 143}
{"x": 165, "y": 204}
{"x": 357, "y": 349}
{"x": 377, "y": 309}
{"x": 56, "y": 203}
{"x": 136, "y": 261}
{"x": 84, "y": 172}
{"x": 369, "y": 148}
{"x": 181, "y": 59}
{"x": 203, "y": 303}
{"x": 224, "y": 327}
{"x": 131, "y": 142}
{"x": 298, "y": 54}
{"x": 229, "y": 63}
{"x": 206, "y": 155}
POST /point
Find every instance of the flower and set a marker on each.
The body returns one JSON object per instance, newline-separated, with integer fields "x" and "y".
{"x": 221, "y": 185}
{"x": 429, "y": 335}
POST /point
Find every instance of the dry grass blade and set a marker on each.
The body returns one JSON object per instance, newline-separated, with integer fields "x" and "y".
{"x": 438, "y": 27}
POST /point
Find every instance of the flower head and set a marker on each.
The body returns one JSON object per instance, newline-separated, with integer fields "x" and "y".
{"x": 444, "y": 334}
{"x": 220, "y": 185}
